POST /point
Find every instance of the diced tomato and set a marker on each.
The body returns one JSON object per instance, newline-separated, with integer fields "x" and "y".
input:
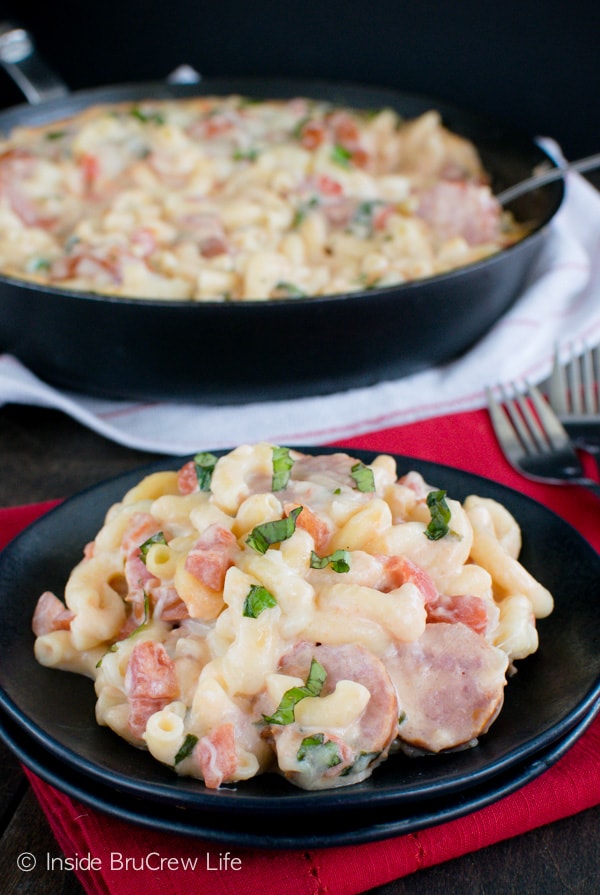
{"x": 150, "y": 683}
{"x": 150, "y": 672}
{"x": 90, "y": 168}
{"x": 399, "y": 570}
{"x": 215, "y": 125}
{"x": 312, "y": 134}
{"x": 217, "y": 757}
{"x": 50, "y": 615}
{"x": 211, "y": 556}
{"x": 187, "y": 478}
{"x": 141, "y": 527}
{"x": 328, "y": 186}
{"x": 311, "y": 523}
{"x": 466, "y": 608}
{"x": 344, "y": 128}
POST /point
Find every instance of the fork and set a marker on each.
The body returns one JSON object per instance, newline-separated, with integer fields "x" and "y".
{"x": 534, "y": 440}
{"x": 574, "y": 393}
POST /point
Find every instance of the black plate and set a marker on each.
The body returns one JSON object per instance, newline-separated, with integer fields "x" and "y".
{"x": 552, "y": 692}
{"x": 358, "y": 827}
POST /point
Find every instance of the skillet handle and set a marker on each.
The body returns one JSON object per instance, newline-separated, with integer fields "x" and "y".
{"x": 30, "y": 73}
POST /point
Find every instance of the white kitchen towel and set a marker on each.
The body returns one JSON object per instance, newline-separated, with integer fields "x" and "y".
{"x": 560, "y": 303}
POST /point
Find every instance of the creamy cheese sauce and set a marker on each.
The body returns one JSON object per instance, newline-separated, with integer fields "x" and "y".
{"x": 230, "y": 199}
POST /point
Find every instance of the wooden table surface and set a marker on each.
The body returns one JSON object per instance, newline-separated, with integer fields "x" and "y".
{"x": 46, "y": 455}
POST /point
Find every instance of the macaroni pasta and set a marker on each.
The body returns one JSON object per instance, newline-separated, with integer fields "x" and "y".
{"x": 269, "y": 610}
{"x": 230, "y": 199}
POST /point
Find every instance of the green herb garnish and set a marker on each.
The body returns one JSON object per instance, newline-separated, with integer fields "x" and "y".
{"x": 341, "y": 156}
{"x": 339, "y": 560}
{"x": 36, "y": 264}
{"x": 282, "y": 464}
{"x": 205, "y": 464}
{"x": 186, "y": 748}
{"x": 304, "y": 209}
{"x": 283, "y": 289}
{"x": 158, "y": 538}
{"x": 440, "y": 515}
{"x": 245, "y": 155}
{"x": 363, "y": 216}
{"x": 324, "y": 753}
{"x": 363, "y": 476}
{"x": 147, "y": 117}
{"x": 257, "y": 600}
{"x": 264, "y": 536}
{"x": 284, "y": 714}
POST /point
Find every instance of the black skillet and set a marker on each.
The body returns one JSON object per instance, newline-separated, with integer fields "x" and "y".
{"x": 215, "y": 352}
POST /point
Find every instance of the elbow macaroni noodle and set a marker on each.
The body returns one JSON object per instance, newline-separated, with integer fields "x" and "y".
{"x": 268, "y": 610}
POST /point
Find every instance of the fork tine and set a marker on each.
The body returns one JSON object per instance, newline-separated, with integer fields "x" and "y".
{"x": 554, "y": 429}
{"x": 574, "y": 385}
{"x": 558, "y": 388}
{"x": 533, "y": 439}
{"x": 590, "y": 376}
{"x": 506, "y": 432}
{"x": 523, "y": 420}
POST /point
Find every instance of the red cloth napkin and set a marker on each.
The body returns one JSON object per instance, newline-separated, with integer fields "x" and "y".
{"x": 571, "y": 785}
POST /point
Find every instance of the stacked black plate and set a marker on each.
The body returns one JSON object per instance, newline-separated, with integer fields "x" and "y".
{"x": 47, "y": 717}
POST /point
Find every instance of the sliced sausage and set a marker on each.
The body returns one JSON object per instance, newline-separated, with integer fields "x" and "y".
{"x": 450, "y": 684}
{"x": 358, "y": 748}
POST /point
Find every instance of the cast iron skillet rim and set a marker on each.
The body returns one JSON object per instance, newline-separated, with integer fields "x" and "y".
{"x": 138, "y": 91}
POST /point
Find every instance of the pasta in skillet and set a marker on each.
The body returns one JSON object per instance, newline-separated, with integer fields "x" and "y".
{"x": 231, "y": 199}
{"x": 270, "y": 610}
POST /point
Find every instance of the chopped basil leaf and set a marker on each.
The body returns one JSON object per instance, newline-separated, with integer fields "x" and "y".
{"x": 71, "y": 242}
{"x": 284, "y": 714}
{"x": 36, "y": 264}
{"x": 324, "y": 753}
{"x": 341, "y": 156}
{"x": 205, "y": 464}
{"x": 298, "y": 128}
{"x": 402, "y": 718}
{"x": 56, "y": 135}
{"x": 364, "y": 760}
{"x": 363, "y": 476}
{"x": 304, "y": 209}
{"x": 158, "y": 538}
{"x": 263, "y": 536}
{"x": 362, "y": 219}
{"x": 284, "y": 289}
{"x": 440, "y": 515}
{"x": 282, "y": 464}
{"x": 245, "y": 155}
{"x": 257, "y": 600}
{"x": 339, "y": 561}
{"x": 147, "y": 117}
{"x": 186, "y": 748}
